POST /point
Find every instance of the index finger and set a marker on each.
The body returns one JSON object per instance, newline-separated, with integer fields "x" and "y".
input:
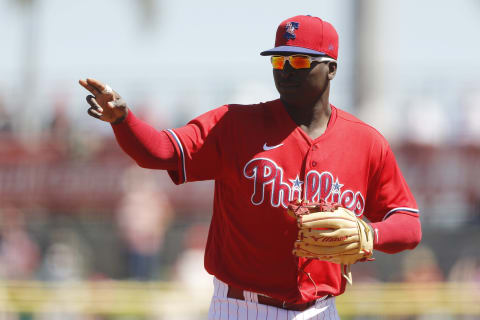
{"x": 90, "y": 88}
{"x": 96, "y": 84}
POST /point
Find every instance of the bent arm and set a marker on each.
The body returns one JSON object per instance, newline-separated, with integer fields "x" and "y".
{"x": 149, "y": 148}
{"x": 400, "y": 231}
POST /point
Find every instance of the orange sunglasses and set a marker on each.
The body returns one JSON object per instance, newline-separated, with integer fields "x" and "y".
{"x": 296, "y": 61}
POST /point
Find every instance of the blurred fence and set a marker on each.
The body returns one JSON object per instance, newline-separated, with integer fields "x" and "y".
{"x": 70, "y": 174}
{"x": 106, "y": 298}
{"x": 402, "y": 299}
{"x": 159, "y": 299}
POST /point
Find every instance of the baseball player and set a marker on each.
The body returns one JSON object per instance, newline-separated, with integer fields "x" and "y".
{"x": 268, "y": 160}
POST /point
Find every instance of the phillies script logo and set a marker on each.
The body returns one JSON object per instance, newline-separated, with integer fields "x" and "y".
{"x": 317, "y": 185}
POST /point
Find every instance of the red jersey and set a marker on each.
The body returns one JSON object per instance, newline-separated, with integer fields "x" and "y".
{"x": 260, "y": 160}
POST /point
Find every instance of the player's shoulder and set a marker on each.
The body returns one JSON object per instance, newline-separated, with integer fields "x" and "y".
{"x": 228, "y": 112}
{"x": 256, "y": 108}
{"x": 234, "y": 109}
{"x": 260, "y": 114}
{"x": 359, "y": 126}
{"x": 238, "y": 114}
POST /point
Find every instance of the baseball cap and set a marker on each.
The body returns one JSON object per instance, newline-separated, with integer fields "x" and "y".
{"x": 305, "y": 34}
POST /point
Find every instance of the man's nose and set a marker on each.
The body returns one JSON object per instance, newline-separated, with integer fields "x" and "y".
{"x": 287, "y": 69}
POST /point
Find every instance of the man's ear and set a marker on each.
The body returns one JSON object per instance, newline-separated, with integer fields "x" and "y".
{"x": 332, "y": 70}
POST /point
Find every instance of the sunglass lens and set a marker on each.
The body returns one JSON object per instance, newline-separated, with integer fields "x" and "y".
{"x": 300, "y": 62}
{"x": 278, "y": 62}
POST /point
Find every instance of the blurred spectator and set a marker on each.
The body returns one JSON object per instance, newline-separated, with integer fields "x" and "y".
{"x": 189, "y": 270}
{"x": 66, "y": 257}
{"x": 143, "y": 216}
{"x": 366, "y": 272}
{"x": 59, "y": 127}
{"x": 469, "y": 130}
{"x": 66, "y": 260}
{"x": 421, "y": 265}
{"x": 59, "y": 124}
{"x": 195, "y": 283}
{"x": 5, "y": 119}
{"x": 19, "y": 255}
{"x": 466, "y": 269}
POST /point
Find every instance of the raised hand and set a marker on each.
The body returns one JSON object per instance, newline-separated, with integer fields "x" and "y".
{"x": 105, "y": 104}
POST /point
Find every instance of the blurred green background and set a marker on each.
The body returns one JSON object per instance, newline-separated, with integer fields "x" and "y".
{"x": 85, "y": 234}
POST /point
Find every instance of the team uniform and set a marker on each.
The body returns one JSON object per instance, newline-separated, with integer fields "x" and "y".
{"x": 260, "y": 161}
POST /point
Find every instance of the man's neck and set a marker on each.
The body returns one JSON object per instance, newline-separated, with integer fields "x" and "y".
{"x": 313, "y": 119}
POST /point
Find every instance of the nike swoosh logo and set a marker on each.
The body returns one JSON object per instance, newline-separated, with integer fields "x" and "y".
{"x": 266, "y": 148}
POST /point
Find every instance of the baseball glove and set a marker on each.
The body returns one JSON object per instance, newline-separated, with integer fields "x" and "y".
{"x": 329, "y": 232}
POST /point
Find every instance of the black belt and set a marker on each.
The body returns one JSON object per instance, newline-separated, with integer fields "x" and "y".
{"x": 235, "y": 293}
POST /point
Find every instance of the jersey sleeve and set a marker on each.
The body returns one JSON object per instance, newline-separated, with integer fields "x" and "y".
{"x": 388, "y": 192}
{"x": 198, "y": 146}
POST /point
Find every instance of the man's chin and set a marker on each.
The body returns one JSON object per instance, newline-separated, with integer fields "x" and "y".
{"x": 290, "y": 96}
{"x": 289, "y": 92}
{"x": 289, "y": 102}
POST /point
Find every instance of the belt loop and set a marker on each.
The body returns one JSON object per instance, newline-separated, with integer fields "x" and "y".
{"x": 250, "y": 296}
{"x": 220, "y": 288}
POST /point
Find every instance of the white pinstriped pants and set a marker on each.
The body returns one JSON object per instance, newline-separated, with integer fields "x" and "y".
{"x": 223, "y": 308}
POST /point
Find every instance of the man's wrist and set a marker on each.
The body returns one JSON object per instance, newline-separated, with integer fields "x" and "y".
{"x": 122, "y": 118}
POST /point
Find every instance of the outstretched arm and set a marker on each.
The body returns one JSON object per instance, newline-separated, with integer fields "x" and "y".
{"x": 148, "y": 147}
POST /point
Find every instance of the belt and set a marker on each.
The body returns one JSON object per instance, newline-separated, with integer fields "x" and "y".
{"x": 235, "y": 293}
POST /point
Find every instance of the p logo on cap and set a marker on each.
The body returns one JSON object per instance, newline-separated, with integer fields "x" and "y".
{"x": 290, "y": 30}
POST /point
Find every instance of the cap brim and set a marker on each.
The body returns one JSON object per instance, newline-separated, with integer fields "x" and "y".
{"x": 291, "y": 49}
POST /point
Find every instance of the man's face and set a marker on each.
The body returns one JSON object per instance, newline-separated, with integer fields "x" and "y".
{"x": 303, "y": 86}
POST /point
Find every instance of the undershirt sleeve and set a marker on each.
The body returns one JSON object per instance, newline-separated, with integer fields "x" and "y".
{"x": 400, "y": 231}
{"x": 149, "y": 148}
